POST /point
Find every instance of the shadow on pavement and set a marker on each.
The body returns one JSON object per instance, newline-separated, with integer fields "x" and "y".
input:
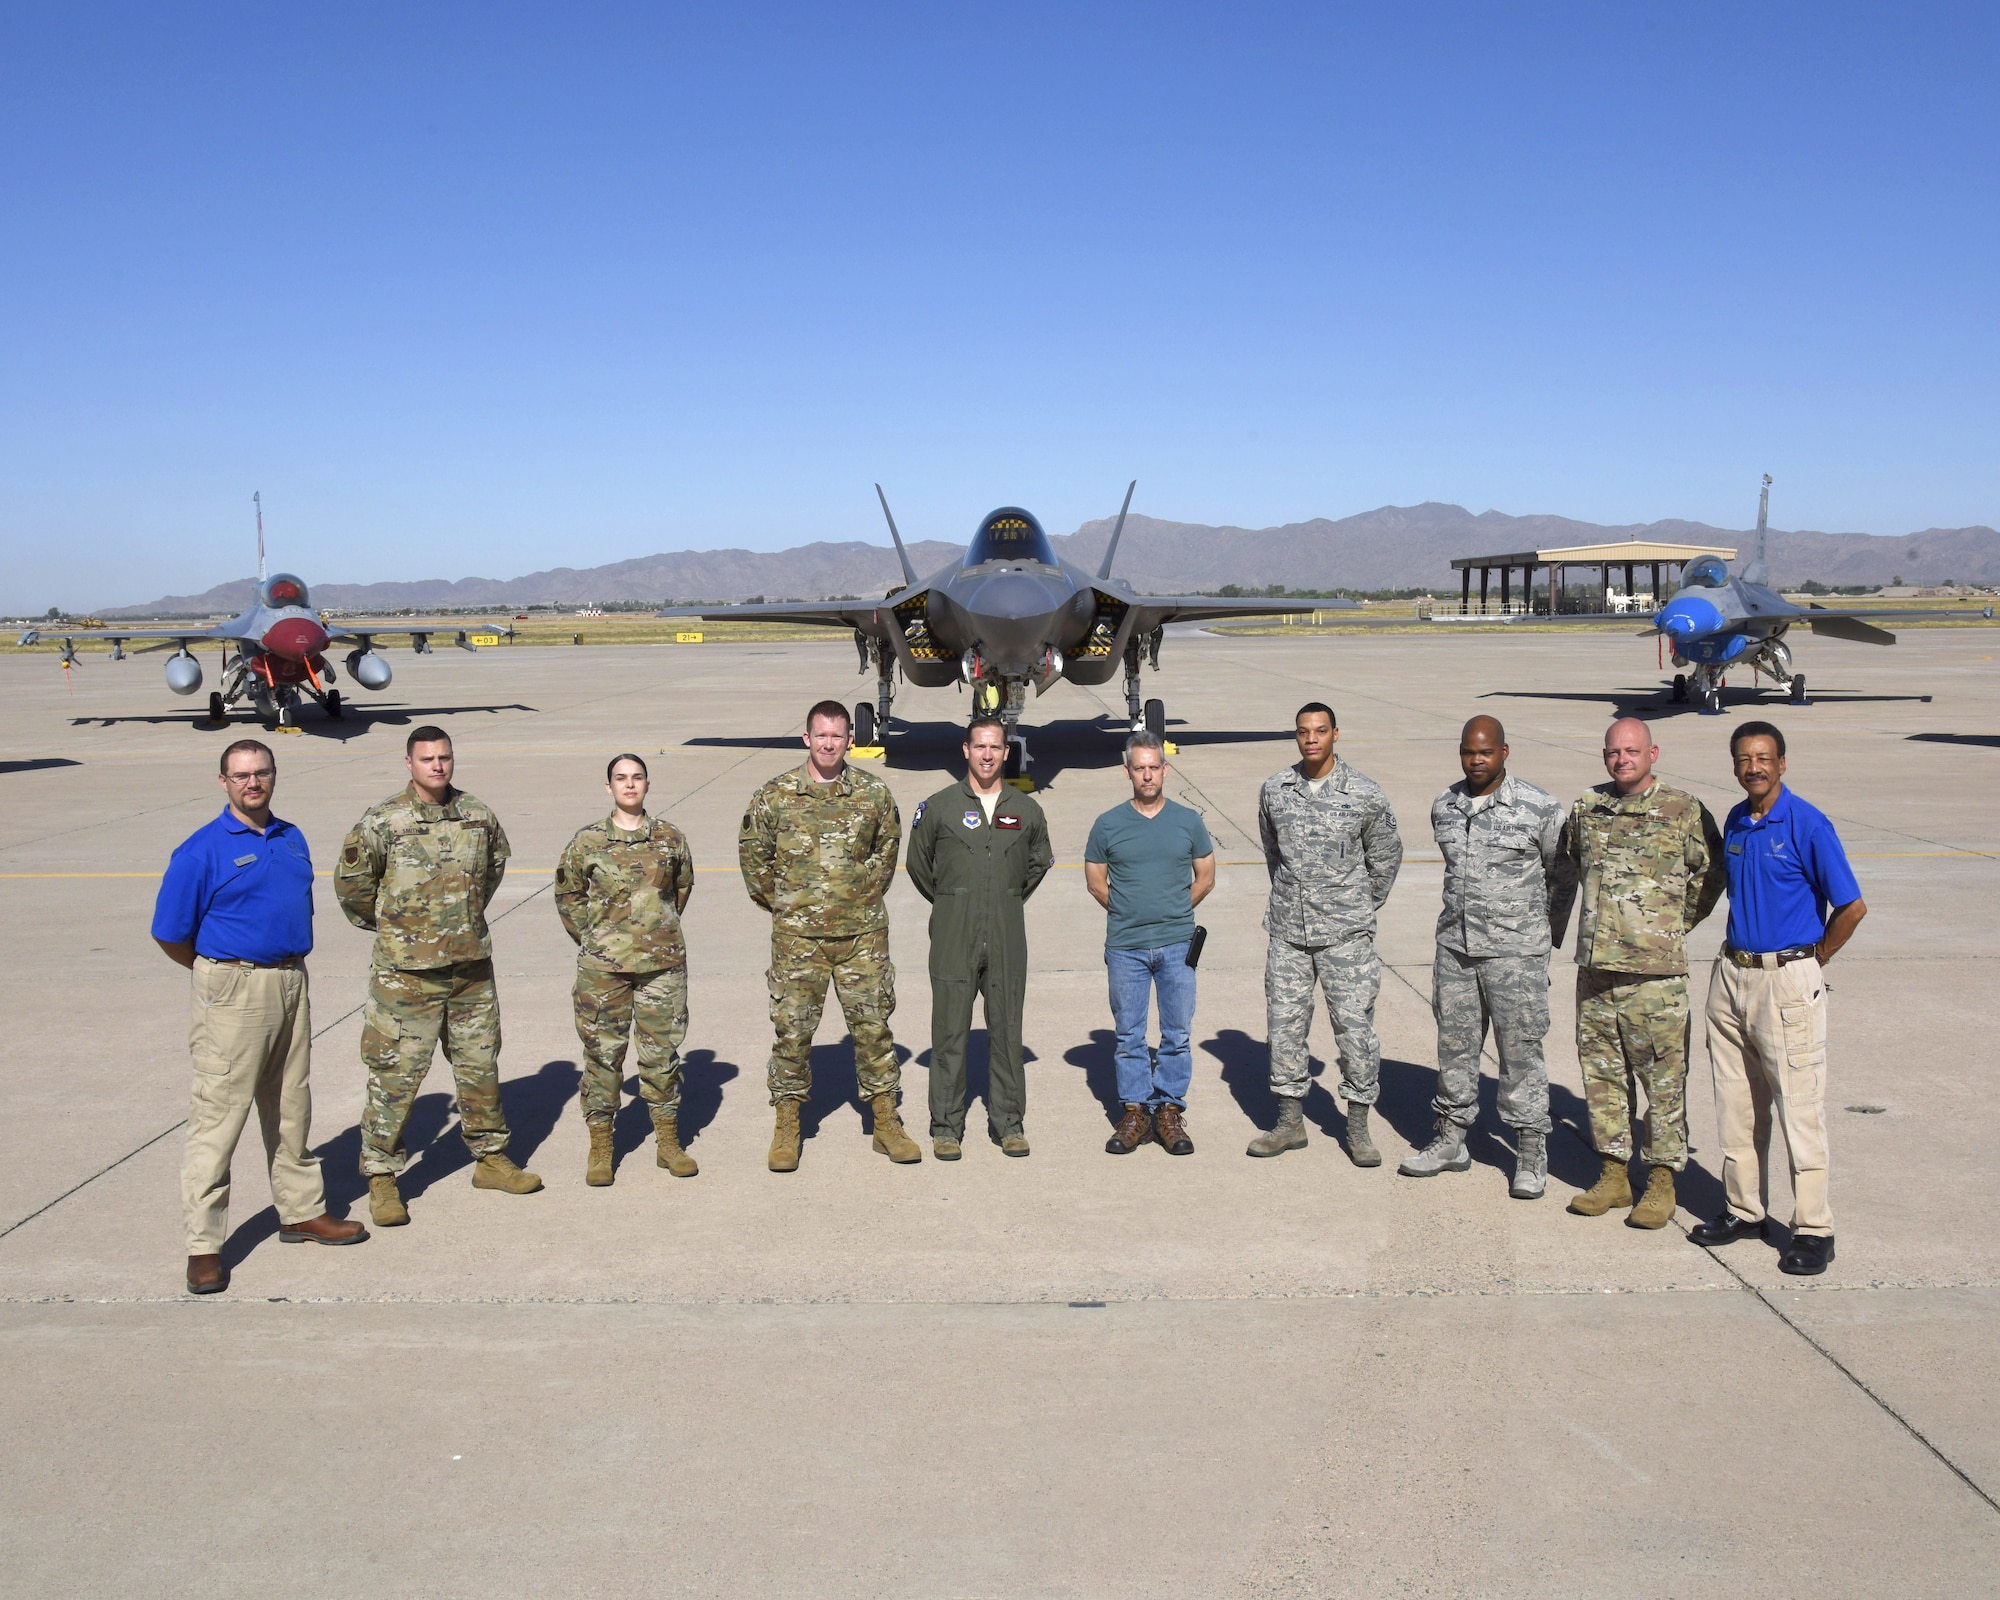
{"x": 702, "y": 1078}
{"x": 38, "y": 765}
{"x": 1099, "y": 1061}
{"x": 1990, "y": 741}
{"x": 312, "y": 721}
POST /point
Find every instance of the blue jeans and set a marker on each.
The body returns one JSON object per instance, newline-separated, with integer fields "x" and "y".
{"x": 1135, "y": 974}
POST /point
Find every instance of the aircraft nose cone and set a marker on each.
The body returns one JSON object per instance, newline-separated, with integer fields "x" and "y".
{"x": 1688, "y": 618}
{"x": 296, "y": 638}
{"x": 1012, "y": 595}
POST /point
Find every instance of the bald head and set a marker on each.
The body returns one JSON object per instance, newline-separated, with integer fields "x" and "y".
{"x": 1482, "y": 754}
{"x": 1629, "y": 754}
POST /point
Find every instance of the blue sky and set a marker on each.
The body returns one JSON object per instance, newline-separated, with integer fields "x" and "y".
{"x": 489, "y": 289}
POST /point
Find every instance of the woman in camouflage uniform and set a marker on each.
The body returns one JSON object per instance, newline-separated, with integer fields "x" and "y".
{"x": 620, "y": 889}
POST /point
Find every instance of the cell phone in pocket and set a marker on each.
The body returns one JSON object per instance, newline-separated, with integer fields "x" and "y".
{"x": 1194, "y": 945}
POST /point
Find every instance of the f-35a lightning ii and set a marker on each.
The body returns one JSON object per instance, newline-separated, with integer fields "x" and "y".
{"x": 274, "y": 652}
{"x": 1007, "y": 617}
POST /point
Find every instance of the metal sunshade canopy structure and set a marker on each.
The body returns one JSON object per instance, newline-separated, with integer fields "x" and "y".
{"x": 1547, "y": 596}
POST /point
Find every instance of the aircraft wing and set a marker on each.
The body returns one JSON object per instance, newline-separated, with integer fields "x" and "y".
{"x": 864, "y": 614}
{"x": 1157, "y": 610}
{"x": 1890, "y": 611}
{"x": 347, "y": 629}
{"x": 218, "y": 631}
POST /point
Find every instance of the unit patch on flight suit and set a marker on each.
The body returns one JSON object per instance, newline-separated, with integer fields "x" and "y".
{"x": 972, "y": 819}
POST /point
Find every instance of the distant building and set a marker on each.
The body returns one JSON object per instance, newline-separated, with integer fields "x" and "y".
{"x": 1545, "y": 588}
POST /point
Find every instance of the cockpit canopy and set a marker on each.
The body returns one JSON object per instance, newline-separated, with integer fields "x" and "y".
{"x": 1705, "y": 572}
{"x": 1010, "y": 534}
{"x": 281, "y": 589}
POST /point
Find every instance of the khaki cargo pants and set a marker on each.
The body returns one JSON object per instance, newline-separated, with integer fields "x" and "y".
{"x": 1767, "y": 1046}
{"x": 251, "y": 1040}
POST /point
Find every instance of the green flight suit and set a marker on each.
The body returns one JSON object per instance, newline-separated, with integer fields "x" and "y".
{"x": 977, "y": 875}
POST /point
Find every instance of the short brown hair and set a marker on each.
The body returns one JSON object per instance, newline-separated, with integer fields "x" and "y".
{"x": 832, "y": 710}
{"x": 427, "y": 734}
{"x": 240, "y": 745}
{"x": 986, "y": 721}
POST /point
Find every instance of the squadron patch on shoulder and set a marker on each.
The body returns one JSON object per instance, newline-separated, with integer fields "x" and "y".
{"x": 351, "y": 854}
{"x": 972, "y": 818}
{"x": 917, "y": 815}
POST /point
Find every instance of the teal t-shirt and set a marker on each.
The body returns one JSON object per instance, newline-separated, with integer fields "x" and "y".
{"x": 1152, "y": 869}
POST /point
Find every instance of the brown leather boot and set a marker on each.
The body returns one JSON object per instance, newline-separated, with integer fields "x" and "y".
{"x": 1171, "y": 1131}
{"x": 667, "y": 1135}
{"x": 1656, "y": 1206}
{"x": 1613, "y": 1188}
{"x": 597, "y": 1171}
{"x": 1133, "y": 1130}
{"x": 321, "y": 1229}
{"x": 784, "y": 1155}
{"x": 385, "y": 1202}
{"x": 207, "y": 1275}
{"x": 890, "y": 1138}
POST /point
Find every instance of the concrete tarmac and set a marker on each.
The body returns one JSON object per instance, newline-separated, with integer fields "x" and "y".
{"x": 1071, "y": 1375}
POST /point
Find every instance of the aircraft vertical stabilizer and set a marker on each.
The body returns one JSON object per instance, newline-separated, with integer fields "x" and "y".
{"x": 1111, "y": 549}
{"x": 1758, "y": 570}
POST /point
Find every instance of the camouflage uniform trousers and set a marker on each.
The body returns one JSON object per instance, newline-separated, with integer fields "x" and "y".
{"x": 863, "y": 977}
{"x": 408, "y": 1015}
{"x": 1509, "y": 994}
{"x": 1632, "y": 1030}
{"x": 608, "y": 1006}
{"x": 1349, "y": 974}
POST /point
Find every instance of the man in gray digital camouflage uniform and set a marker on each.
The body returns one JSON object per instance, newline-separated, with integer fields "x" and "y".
{"x": 1332, "y": 852}
{"x": 1649, "y": 861}
{"x": 1508, "y": 884}
{"x": 621, "y": 887}
{"x": 419, "y": 870}
{"x": 818, "y": 848}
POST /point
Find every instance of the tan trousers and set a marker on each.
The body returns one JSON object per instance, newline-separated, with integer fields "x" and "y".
{"x": 251, "y": 1039}
{"x": 1767, "y": 1045}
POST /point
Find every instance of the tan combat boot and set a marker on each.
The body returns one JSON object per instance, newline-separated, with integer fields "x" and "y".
{"x": 667, "y": 1134}
{"x": 597, "y": 1172}
{"x": 1289, "y": 1134}
{"x": 785, "y": 1142}
{"x": 497, "y": 1172}
{"x": 1656, "y": 1206}
{"x": 385, "y": 1203}
{"x": 890, "y": 1139}
{"x": 1613, "y": 1188}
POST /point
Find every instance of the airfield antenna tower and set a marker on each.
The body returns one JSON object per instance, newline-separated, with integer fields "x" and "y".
{"x": 257, "y": 500}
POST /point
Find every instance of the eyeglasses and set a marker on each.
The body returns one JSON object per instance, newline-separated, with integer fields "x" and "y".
{"x": 261, "y": 775}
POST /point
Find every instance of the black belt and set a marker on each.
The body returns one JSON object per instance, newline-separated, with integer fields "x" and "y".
{"x": 1776, "y": 958}
{"x": 289, "y": 963}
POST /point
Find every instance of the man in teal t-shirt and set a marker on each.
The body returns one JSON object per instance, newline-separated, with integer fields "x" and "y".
{"x": 1149, "y": 863}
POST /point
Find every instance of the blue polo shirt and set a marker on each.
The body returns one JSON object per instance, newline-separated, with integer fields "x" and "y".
{"x": 237, "y": 894}
{"x": 1152, "y": 871}
{"x": 1785, "y": 869}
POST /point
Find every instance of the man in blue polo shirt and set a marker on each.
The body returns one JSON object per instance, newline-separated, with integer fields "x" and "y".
{"x": 235, "y": 908}
{"x": 1149, "y": 863}
{"x": 1793, "y": 903}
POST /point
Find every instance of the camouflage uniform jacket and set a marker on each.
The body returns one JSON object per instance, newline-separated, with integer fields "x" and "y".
{"x": 1651, "y": 867}
{"x": 421, "y": 876}
{"x": 1508, "y": 882}
{"x": 1332, "y": 856}
{"x": 819, "y": 856}
{"x": 620, "y": 893}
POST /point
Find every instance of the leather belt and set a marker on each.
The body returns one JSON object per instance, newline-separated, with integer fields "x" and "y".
{"x": 289, "y": 964}
{"x": 1771, "y": 958}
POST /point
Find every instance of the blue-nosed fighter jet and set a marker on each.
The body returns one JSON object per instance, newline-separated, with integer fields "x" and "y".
{"x": 1008, "y": 616}
{"x": 274, "y": 652}
{"x": 1715, "y": 622}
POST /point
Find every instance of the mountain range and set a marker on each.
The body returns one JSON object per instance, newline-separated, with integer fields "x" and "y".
{"x": 1389, "y": 548}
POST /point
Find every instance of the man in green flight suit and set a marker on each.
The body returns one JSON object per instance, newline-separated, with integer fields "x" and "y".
{"x": 977, "y": 851}
{"x": 818, "y": 849}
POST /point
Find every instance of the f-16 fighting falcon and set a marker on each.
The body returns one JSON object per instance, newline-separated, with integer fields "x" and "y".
{"x": 1716, "y": 622}
{"x": 274, "y": 653}
{"x": 1009, "y": 616}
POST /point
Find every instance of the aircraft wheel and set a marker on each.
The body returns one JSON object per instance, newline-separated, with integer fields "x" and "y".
{"x": 864, "y": 723}
{"x": 1711, "y": 702}
{"x": 1799, "y": 690}
{"x": 333, "y": 706}
{"x": 216, "y": 713}
{"x": 1680, "y": 688}
{"x": 1156, "y": 719}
